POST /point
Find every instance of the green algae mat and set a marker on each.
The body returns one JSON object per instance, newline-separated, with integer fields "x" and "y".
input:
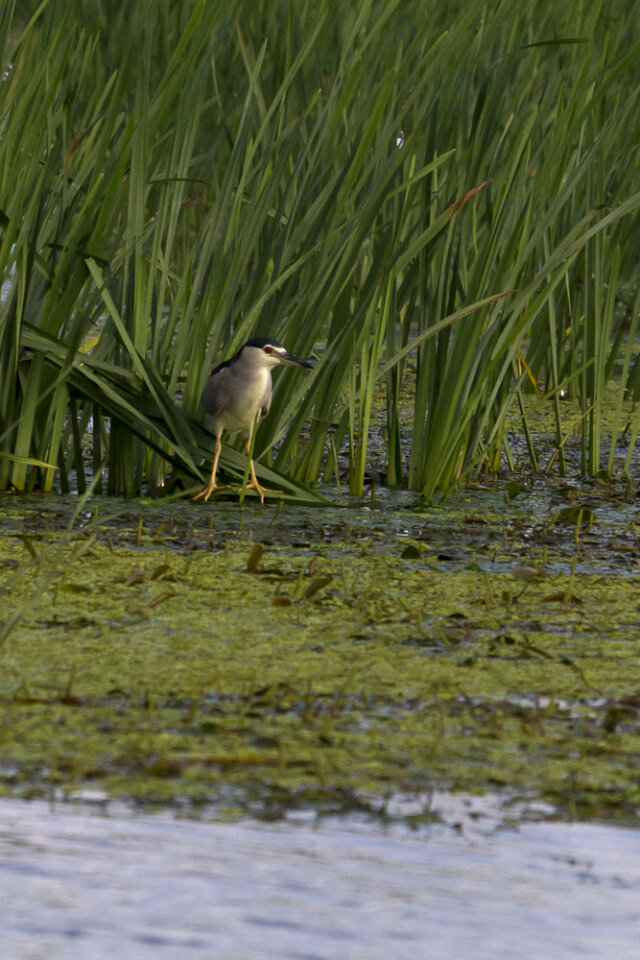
{"x": 245, "y": 659}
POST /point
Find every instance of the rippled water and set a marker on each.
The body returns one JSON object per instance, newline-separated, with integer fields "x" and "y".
{"x": 77, "y": 885}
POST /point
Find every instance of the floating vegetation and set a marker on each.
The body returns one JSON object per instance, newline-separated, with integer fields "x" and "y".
{"x": 292, "y": 658}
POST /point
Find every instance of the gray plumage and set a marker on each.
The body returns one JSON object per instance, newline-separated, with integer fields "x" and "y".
{"x": 237, "y": 391}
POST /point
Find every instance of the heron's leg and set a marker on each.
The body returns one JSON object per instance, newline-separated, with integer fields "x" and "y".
{"x": 253, "y": 482}
{"x": 212, "y": 486}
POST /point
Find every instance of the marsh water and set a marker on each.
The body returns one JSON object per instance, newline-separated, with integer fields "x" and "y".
{"x": 375, "y": 730}
{"x": 77, "y": 885}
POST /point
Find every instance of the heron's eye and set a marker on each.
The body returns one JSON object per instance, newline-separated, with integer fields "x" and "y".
{"x": 267, "y": 349}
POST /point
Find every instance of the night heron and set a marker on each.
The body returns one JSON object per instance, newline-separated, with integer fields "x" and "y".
{"x": 236, "y": 392}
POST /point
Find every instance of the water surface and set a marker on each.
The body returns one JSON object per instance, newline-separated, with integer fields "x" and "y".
{"x": 81, "y": 885}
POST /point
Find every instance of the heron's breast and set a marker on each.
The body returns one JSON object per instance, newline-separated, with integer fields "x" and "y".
{"x": 248, "y": 399}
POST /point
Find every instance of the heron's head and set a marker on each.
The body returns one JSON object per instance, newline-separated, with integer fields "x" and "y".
{"x": 265, "y": 352}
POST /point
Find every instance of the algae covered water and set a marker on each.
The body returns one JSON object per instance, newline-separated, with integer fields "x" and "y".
{"x": 259, "y": 660}
{"x": 340, "y": 672}
{"x": 77, "y": 885}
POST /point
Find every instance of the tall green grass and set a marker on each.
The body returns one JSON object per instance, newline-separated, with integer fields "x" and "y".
{"x": 378, "y": 181}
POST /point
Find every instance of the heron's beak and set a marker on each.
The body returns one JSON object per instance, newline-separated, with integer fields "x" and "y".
{"x": 291, "y": 360}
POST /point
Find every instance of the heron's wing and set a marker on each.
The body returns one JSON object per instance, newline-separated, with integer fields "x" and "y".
{"x": 217, "y": 392}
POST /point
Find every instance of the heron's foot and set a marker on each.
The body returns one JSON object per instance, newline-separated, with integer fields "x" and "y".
{"x": 209, "y": 489}
{"x": 254, "y": 485}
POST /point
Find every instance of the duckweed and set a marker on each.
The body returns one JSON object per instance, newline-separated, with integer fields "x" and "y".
{"x": 256, "y": 660}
